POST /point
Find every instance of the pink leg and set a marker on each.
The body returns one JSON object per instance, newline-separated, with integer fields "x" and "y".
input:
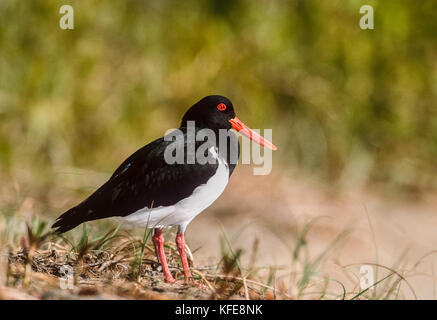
{"x": 158, "y": 240}
{"x": 180, "y": 242}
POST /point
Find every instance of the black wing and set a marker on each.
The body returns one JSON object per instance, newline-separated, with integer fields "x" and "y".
{"x": 142, "y": 180}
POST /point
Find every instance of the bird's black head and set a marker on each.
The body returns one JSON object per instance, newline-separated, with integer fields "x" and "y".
{"x": 213, "y": 112}
{"x": 217, "y": 112}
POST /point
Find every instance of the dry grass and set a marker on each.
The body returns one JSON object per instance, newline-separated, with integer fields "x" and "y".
{"x": 119, "y": 265}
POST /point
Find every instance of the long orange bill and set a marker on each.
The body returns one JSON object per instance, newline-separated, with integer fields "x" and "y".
{"x": 245, "y": 130}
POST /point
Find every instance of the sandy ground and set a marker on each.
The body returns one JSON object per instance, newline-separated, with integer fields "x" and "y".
{"x": 272, "y": 208}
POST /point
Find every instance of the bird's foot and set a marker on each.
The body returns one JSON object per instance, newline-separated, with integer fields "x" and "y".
{"x": 169, "y": 279}
{"x": 192, "y": 282}
{"x": 196, "y": 283}
{"x": 188, "y": 281}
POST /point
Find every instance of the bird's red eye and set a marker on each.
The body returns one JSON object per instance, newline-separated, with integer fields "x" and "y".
{"x": 221, "y": 107}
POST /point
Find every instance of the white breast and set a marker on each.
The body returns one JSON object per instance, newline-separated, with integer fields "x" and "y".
{"x": 185, "y": 210}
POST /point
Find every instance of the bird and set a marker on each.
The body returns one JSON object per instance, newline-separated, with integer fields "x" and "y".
{"x": 149, "y": 191}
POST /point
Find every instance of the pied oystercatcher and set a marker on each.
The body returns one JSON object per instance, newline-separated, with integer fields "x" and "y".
{"x": 146, "y": 190}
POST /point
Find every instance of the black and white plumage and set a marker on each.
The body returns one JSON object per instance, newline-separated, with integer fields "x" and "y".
{"x": 144, "y": 180}
{"x": 146, "y": 191}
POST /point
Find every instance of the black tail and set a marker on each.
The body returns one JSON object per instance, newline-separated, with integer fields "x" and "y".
{"x": 68, "y": 220}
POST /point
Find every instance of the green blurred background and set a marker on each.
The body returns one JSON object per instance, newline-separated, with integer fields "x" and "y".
{"x": 353, "y": 107}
